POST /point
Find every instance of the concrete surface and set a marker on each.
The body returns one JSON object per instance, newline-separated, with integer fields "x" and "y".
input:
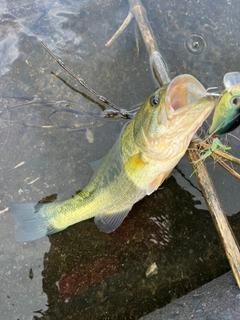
{"x": 216, "y": 300}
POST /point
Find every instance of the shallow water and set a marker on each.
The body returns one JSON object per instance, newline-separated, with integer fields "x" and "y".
{"x": 82, "y": 273}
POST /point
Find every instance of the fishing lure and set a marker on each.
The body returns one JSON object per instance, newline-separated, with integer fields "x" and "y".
{"x": 227, "y": 112}
{"x": 226, "y": 115}
{"x": 216, "y": 143}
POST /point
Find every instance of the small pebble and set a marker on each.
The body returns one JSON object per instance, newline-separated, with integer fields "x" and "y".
{"x": 152, "y": 270}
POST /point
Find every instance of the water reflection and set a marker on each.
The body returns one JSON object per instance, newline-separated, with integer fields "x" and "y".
{"x": 82, "y": 273}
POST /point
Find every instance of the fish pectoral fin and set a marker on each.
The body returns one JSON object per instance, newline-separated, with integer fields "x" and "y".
{"x": 108, "y": 222}
{"x": 157, "y": 182}
{"x": 134, "y": 165}
{"x": 135, "y": 162}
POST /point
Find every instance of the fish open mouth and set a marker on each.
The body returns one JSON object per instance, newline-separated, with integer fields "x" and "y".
{"x": 182, "y": 91}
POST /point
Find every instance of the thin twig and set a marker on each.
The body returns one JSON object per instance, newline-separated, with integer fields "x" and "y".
{"x": 225, "y": 166}
{"x": 121, "y": 29}
{"x": 122, "y": 112}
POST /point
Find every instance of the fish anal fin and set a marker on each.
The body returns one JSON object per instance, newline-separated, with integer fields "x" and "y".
{"x": 108, "y": 222}
{"x": 157, "y": 182}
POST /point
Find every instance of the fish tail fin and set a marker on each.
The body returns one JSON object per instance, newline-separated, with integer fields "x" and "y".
{"x": 32, "y": 221}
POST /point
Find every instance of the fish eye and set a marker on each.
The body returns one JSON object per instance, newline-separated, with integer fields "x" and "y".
{"x": 154, "y": 100}
{"x": 235, "y": 101}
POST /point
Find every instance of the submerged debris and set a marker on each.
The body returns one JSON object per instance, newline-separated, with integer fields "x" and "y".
{"x": 152, "y": 270}
{"x": 89, "y": 135}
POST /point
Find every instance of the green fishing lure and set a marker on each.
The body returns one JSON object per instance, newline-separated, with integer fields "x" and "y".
{"x": 227, "y": 112}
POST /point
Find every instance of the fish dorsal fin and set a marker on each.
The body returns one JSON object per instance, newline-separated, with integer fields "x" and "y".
{"x": 95, "y": 163}
{"x": 108, "y": 222}
{"x": 231, "y": 79}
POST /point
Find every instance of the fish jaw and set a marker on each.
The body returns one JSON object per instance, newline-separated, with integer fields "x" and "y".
{"x": 184, "y": 125}
{"x": 184, "y": 109}
{"x": 181, "y": 92}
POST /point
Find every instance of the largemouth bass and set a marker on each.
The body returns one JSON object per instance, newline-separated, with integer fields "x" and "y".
{"x": 226, "y": 116}
{"x": 147, "y": 150}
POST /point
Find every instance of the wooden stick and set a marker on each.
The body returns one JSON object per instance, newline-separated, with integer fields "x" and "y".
{"x": 224, "y": 229}
{"x": 225, "y": 166}
{"x": 121, "y": 29}
{"x": 157, "y": 63}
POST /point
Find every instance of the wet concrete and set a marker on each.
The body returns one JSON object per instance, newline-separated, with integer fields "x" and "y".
{"x": 218, "y": 299}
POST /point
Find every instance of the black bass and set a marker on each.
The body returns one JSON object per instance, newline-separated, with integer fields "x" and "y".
{"x": 227, "y": 112}
{"x": 147, "y": 150}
